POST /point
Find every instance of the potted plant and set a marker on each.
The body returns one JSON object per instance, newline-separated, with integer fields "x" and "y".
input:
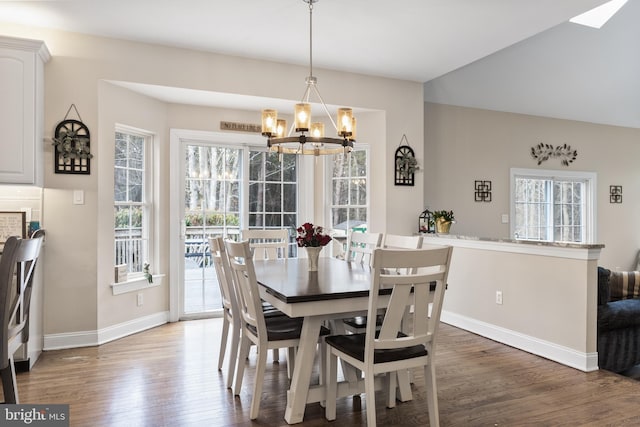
{"x": 443, "y": 221}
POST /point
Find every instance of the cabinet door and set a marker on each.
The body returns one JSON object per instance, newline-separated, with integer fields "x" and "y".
{"x": 17, "y": 116}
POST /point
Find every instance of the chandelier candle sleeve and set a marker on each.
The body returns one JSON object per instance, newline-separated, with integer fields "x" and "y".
{"x": 345, "y": 121}
{"x": 303, "y": 116}
{"x": 269, "y": 122}
{"x": 281, "y": 128}
{"x": 317, "y": 129}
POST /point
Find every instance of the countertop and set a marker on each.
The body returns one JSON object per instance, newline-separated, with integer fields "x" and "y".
{"x": 519, "y": 242}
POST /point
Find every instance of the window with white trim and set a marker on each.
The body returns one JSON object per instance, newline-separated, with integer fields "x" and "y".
{"x": 349, "y": 176}
{"x": 553, "y": 206}
{"x": 132, "y": 200}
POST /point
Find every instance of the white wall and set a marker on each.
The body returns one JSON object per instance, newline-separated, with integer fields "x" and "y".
{"x": 466, "y": 144}
{"x": 78, "y": 265}
{"x": 549, "y": 296}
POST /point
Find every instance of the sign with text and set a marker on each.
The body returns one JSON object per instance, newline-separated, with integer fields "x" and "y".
{"x": 34, "y": 415}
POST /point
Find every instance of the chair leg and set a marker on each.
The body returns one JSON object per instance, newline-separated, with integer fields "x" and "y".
{"x": 432, "y": 394}
{"x": 370, "y": 394}
{"x": 9, "y": 384}
{"x": 291, "y": 359}
{"x": 261, "y": 365}
{"x": 233, "y": 356}
{"x": 331, "y": 383}
{"x": 322, "y": 367}
{"x": 404, "y": 385}
{"x": 391, "y": 388}
{"x": 245, "y": 345}
{"x": 223, "y": 342}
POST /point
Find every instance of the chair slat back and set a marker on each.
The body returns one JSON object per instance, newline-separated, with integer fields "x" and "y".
{"x": 223, "y": 273}
{"x": 17, "y": 266}
{"x": 245, "y": 285}
{"x": 268, "y": 244}
{"x": 396, "y": 241}
{"x": 412, "y": 289}
{"x": 360, "y": 246}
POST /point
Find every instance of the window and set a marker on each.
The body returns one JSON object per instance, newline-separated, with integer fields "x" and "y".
{"x": 554, "y": 206}
{"x": 349, "y": 197}
{"x": 132, "y": 200}
{"x": 273, "y": 192}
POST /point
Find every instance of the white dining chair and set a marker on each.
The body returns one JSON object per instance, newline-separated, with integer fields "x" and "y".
{"x": 391, "y": 241}
{"x": 360, "y": 246}
{"x": 393, "y": 347}
{"x": 230, "y": 321}
{"x": 267, "y": 244}
{"x": 397, "y": 241}
{"x": 17, "y": 267}
{"x": 264, "y": 332}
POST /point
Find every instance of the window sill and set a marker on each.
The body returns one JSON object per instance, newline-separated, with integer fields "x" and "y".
{"x": 136, "y": 284}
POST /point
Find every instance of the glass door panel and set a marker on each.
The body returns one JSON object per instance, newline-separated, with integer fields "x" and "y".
{"x": 211, "y": 208}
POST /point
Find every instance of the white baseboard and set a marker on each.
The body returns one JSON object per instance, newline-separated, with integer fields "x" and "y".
{"x": 586, "y": 362}
{"x": 93, "y": 338}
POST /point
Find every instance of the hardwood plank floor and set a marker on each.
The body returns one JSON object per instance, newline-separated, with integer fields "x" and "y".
{"x": 167, "y": 376}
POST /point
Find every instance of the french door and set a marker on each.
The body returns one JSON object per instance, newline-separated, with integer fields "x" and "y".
{"x": 212, "y": 199}
{"x": 221, "y": 186}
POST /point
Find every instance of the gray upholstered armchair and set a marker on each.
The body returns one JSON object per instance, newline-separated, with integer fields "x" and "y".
{"x": 618, "y": 319}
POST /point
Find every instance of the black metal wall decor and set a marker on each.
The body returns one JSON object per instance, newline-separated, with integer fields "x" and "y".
{"x": 405, "y": 163}
{"x": 615, "y": 194}
{"x": 542, "y": 153}
{"x": 483, "y": 191}
{"x": 72, "y": 146}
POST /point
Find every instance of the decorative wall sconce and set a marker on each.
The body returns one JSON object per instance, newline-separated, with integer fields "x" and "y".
{"x": 405, "y": 163}
{"x": 483, "y": 191}
{"x": 542, "y": 152}
{"x": 615, "y": 194}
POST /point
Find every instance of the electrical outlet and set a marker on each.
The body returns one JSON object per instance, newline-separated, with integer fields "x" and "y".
{"x": 140, "y": 299}
{"x": 498, "y": 297}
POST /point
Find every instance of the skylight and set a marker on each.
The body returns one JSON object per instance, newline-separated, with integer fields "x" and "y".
{"x": 599, "y": 16}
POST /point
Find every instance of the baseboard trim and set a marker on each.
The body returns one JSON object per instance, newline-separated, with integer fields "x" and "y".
{"x": 585, "y": 362}
{"x": 102, "y": 336}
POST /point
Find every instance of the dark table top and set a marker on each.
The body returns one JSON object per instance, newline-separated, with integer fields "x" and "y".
{"x": 291, "y": 281}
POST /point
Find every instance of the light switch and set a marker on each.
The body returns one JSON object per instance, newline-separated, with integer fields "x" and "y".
{"x": 78, "y": 197}
{"x": 505, "y": 218}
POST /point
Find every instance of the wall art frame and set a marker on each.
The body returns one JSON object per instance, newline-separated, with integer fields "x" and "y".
{"x": 482, "y": 191}
{"x": 615, "y": 194}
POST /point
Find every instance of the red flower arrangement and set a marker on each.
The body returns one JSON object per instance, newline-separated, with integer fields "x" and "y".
{"x": 311, "y": 235}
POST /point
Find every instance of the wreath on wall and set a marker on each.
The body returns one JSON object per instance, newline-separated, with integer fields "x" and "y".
{"x": 542, "y": 153}
{"x": 71, "y": 143}
{"x": 405, "y": 163}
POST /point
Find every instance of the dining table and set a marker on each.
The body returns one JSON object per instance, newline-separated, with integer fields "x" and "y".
{"x": 337, "y": 290}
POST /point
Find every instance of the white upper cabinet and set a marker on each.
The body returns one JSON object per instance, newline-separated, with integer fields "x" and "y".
{"x": 22, "y": 110}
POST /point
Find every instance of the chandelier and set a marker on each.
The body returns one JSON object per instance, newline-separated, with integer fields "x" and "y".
{"x": 305, "y": 136}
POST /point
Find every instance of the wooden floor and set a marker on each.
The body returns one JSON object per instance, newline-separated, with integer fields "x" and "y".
{"x": 167, "y": 376}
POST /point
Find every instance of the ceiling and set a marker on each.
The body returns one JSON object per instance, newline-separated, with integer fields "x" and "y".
{"x": 416, "y": 40}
